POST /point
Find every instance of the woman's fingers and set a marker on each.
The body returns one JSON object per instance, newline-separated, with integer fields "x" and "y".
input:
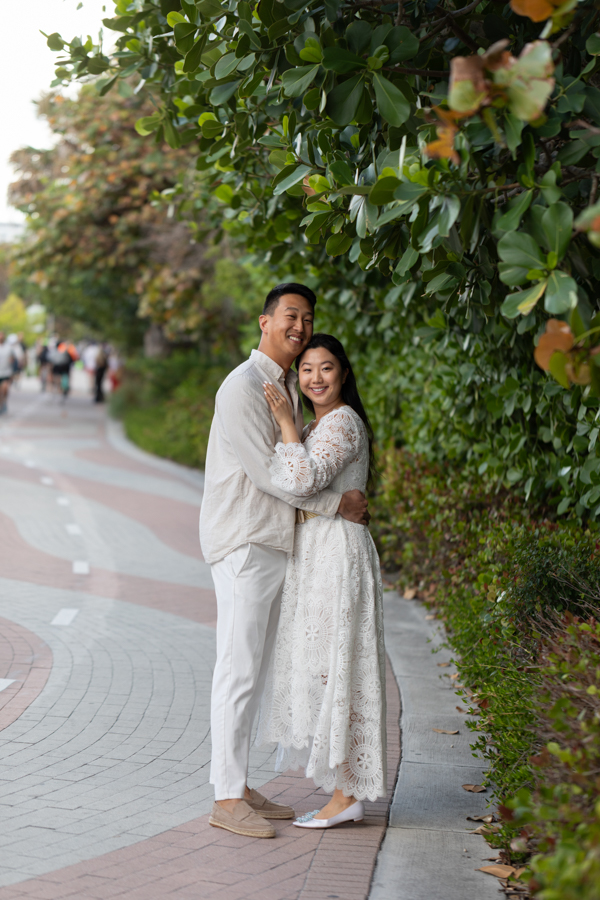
{"x": 273, "y": 396}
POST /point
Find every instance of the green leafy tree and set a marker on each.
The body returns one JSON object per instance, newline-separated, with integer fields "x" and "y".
{"x": 98, "y": 248}
{"x": 432, "y": 169}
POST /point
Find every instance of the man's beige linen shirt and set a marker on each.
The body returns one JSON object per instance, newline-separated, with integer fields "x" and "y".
{"x": 240, "y": 504}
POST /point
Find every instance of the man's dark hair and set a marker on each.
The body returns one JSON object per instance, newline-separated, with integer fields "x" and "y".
{"x": 289, "y": 287}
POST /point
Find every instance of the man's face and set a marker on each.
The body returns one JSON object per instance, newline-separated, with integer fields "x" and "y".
{"x": 290, "y": 328}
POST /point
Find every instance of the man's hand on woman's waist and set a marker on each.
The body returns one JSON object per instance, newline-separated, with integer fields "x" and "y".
{"x": 353, "y": 506}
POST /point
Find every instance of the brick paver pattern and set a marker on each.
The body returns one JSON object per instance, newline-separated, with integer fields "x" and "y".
{"x": 104, "y": 710}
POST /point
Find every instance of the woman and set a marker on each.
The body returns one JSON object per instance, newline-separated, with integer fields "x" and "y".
{"x": 324, "y": 700}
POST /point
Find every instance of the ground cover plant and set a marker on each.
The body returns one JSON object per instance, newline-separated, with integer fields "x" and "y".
{"x": 167, "y": 405}
{"x": 519, "y": 595}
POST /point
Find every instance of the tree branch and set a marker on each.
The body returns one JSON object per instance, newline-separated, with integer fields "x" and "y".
{"x": 400, "y": 13}
{"x": 453, "y": 15}
{"x": 407, "y": 70}
{"x": 462, "y": 34}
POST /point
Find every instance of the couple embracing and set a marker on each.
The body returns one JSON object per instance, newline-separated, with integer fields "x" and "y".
{"x": 296, "y": 574}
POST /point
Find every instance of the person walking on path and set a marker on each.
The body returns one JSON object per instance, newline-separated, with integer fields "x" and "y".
{"x": 62, "y": 358}
{"x": 43, "y": 363}
{"x": 324, "y": 699}
{"x": 100, "y": 372}
{"x": 247, "y": 533}
{"x": 7, "y": 361}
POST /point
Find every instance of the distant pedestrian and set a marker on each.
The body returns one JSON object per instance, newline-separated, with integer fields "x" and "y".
{"x": 101, "y": 367}
{"x": 7, "y": 358}
{"x": 19, "y": 356}
{"x": 42, "y": 359}
{"x": 89, "y": 357}
{"x": 62, "y": 358}
{"x": 114, "y": 369}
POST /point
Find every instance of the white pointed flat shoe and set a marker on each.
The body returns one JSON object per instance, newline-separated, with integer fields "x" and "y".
{"x": 355, "y": 812}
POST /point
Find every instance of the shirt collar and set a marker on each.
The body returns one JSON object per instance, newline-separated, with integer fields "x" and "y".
{"x": 273, "y": 369}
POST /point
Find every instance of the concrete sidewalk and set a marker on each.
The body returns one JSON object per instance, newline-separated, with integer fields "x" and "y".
{"x": 106, "y": 652}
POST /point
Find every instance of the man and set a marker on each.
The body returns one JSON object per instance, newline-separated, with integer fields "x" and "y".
{"x": 62, "y": 359}
{"x": 247, "y": 533}
{"x": 7, "y": 359}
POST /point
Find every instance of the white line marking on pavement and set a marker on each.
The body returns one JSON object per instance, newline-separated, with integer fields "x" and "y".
{"x": 63, "y": 501}
{"x": 80, "y": 567}
{"x": 64, "y": 616}
{"x": 73, "y": 528}
{"x": 47, "y": 480}
{"x": 29, "y": 463}
{"x": 5, "y": 682}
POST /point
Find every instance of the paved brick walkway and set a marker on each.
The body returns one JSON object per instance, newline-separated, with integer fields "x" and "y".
{"x": 106, "y": 652}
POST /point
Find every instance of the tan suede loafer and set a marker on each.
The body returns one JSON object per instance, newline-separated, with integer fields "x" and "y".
{"x": 267, "y": 808}
{"x": 241, "y": 820}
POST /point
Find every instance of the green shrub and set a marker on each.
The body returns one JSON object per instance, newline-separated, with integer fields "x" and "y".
{"x": 167, "y": 405}
{"x": 507, "y": 581}
{"x": 559, "y": 819}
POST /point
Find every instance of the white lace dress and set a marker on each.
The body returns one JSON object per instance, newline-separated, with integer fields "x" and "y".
{"x": 324, "y": 698}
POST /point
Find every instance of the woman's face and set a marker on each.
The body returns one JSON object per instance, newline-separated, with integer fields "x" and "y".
{"x": 321, "y": 377}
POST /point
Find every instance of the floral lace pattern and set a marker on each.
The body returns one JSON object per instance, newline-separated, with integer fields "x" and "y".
{"x": 324, "y": 699}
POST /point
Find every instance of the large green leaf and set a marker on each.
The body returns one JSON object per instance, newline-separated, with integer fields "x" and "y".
{"x": 402, "y": 44}
{"x": 358, "y": 35}
{"x": 520, "y": 249}
{"x": 226, "y": 65}
{"x": 393, "y": 105}
{"x": 511, "y": 219}
{"x": 341, "y": 61}
{"x": 522, "y": 302}
{"x": 383, "y": 190}
{"x": 343, "y": 101}
{"x": 223, "y": 92}
{"x": 561, "y": 293}
{"x": 184, "y": 37}
{"x": 338, "y": 244}
{"x": 512, "y": 275}
{"x": 557, "y": 223}
{"x": 296, "y": 81}
{"x": 290, "y": 178}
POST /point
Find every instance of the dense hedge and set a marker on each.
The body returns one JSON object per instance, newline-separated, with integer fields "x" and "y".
{"x": 167, "y": 405}
{"x": 519, "y": 595}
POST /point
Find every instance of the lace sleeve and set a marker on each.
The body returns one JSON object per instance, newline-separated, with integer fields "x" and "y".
{"x": 303, "y": 472}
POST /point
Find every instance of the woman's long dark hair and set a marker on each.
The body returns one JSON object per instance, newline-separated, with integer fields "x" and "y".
{"x": 350, "y": 394}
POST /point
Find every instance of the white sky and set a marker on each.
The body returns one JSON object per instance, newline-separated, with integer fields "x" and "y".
{"x": 27, "y": 69}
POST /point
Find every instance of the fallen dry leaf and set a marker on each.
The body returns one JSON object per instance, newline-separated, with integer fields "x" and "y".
{"x": 443, "y": 665}
{"x": 488, "y": 818}
{"x": 454, "y": 676}
{"x": 430, "y": 617}
{"x": 443, "y": 731}
{"x": 474, "y": 788}
{"x": 519, "y": 872}
{"x": 498, "y": 871}
{"x": 410, "y": 594}
{"x": 460, "y": 709}
{"x": 486, "y": 829}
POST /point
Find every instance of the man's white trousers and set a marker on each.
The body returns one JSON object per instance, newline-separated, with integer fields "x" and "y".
{"x": 248, "y": 584}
